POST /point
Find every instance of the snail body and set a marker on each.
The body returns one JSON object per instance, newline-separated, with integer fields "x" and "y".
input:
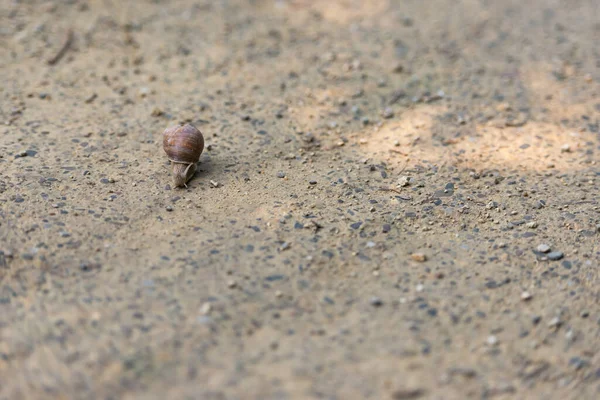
{"x": 183, "y": 145}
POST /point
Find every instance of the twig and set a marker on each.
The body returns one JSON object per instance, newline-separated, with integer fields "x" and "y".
{"x": 398, "y": 151}
{"x": 316, "y": 225}
{"x": 91, "y": 98}
{"x": 63, "y": 49}
{"x": 405, "y": 165}
{"x": 390, "y": 190}
{"x": 396, "y": 191}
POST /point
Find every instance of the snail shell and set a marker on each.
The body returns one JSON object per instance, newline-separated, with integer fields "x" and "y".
{"x": 183, "y": 145}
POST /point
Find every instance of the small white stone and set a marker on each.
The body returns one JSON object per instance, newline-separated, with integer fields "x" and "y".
{"x": 205, "y": 309}
{"x": 403, "y": 181}
{"x": 526, "y": 296}
{"x": 569, "y": 335}
{"x": 544, "y": 248}
{"x": 492, "y": 340}
{"x": 555, "y": 322}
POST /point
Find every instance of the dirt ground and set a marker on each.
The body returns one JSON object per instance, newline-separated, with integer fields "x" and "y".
{"x": 397, "y": 200}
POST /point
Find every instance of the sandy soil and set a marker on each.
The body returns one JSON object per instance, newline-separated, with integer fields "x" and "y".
{"x": 364, "y": 222}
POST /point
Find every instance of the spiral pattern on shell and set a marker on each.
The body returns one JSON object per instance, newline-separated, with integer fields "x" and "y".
{"x": 183, "y": 144}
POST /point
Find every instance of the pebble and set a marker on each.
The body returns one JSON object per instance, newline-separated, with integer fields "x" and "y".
{"x": 492, "y": 340}
{"x": 419, "y": 257}
{"x": 205, "y": 309}
{"x": 355, "y": 225}
{"x": 403, "y": 181}
{"x": 398, "y": 68}
{"x": 539, "y": 204}
{"x": 204, "y": 320}
{"x": 555, "y": 255}
{"x": 544, "y": 248}
{"x": 407, "y": 394}
{"x": 281, "y": 174}
{"x": 376, "y": 302}
{"x": 157, "y": 112}
{"x": 387, "y": 113}
{"x": 525, "y": 296}
{"x": 532, "y": 225}
{"x": 358, "y": 93}
{"x": 555, "y": 322}
{"x": 312, "y": 182}
{"x": 491, "y": 204}
{"x": 169, "y": 208}
{"x": 231, "y": 284}
{"x": 578, "y": 363}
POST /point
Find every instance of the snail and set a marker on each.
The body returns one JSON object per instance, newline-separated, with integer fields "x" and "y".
{"x": 183, "y": 145}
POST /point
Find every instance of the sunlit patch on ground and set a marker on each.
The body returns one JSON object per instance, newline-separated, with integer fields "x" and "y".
{"x": 534, "y": 147}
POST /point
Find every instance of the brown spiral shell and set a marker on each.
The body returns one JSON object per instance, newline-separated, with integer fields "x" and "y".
{"x": 183, "y": 144}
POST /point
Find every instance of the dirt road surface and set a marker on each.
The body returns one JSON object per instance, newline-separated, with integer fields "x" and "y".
{"x": 397, "y": 200}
